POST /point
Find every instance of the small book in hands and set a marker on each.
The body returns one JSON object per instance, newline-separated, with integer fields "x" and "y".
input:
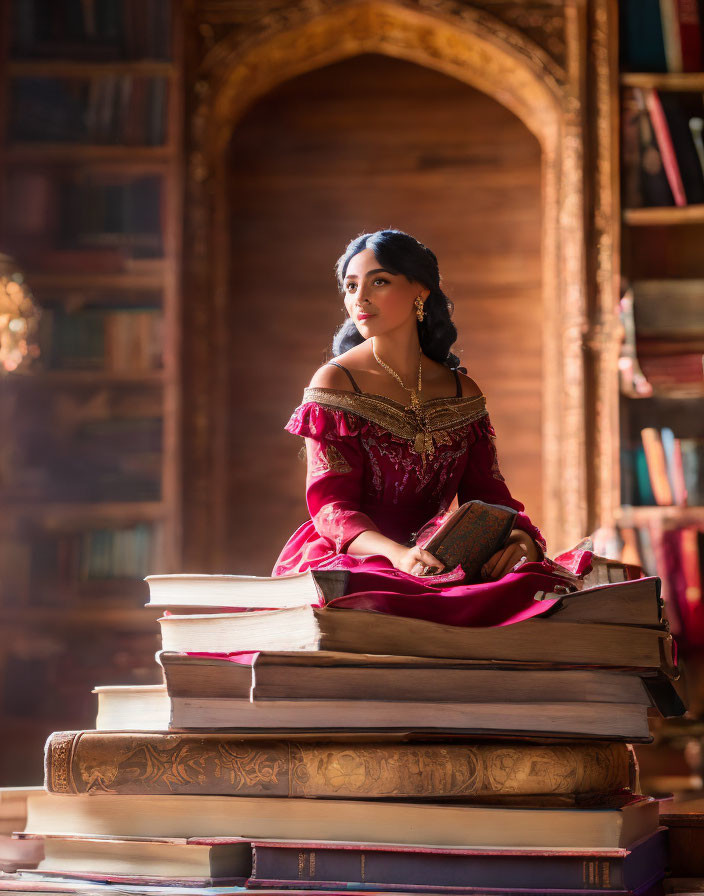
{"x": 470, "y": 536}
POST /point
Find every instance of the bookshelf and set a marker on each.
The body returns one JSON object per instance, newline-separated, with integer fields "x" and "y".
{"x": 90, "y": 203}
{"x": 661, "y": 406}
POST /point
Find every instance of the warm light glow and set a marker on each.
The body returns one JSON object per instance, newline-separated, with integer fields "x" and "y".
{"x": 19, "y": 318}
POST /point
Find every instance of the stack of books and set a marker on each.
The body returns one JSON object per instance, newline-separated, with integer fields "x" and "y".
{"x": 16, "y": 853}
{"x": 299, "y": 746}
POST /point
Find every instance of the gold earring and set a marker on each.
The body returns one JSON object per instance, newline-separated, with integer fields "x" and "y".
{"x": 420, "y": 313}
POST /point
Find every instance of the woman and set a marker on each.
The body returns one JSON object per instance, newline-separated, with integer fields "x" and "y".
{"x": 395, "y": 434}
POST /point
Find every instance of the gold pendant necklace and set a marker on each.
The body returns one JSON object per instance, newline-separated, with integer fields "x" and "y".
{"x": 422, "y": 442}
{"x": 414, "y": 393}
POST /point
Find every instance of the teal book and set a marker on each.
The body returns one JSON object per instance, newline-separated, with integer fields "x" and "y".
{"x": 642, "y": 41}
{"x": 645, "y": 489}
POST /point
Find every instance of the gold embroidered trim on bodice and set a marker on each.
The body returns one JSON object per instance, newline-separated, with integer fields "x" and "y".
{"x": 424, "y": 428}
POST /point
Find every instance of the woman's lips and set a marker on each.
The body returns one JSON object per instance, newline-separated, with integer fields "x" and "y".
{"x": 364, "y": 316}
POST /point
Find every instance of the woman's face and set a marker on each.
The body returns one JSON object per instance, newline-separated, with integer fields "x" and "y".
{"x": 376, "y": 300}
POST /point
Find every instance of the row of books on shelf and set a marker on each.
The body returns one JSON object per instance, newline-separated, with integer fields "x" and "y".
{"x": 117, "y": 340}
{"x": 662, "y": 35}
{"x": 85, "y": 460}
{"x": 92, "y": 29}
{"x": 105, "y": 109}
{"x": 76, "y": 210}
{"x": 663, "y": 345}
{"x": 310, "y": 746}
{"x": 663, "y": 469}
{"x": 32, "y": 565}
{"x": 676, "y": 554}
{"x": 662, "y": 148}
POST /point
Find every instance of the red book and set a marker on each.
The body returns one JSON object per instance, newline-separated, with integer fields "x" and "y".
{"x": 690, "y": 35}
{"x": 665, "y": 145}
{"x": 689, "y": 549}
{"x": 679, "y": 483}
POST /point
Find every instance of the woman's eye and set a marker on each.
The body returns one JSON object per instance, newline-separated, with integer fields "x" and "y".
{"x": 380, "y": 280}
{"x": 350, "y": 287}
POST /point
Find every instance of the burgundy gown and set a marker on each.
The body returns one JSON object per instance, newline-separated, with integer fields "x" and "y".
{"x": 374, "y": 464}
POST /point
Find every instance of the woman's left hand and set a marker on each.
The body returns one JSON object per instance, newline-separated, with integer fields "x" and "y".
{"x": 520, "y": 547}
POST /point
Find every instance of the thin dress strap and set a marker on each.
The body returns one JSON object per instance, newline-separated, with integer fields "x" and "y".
{"x": 458, "y": 394}
{"x": 351, "y": 378}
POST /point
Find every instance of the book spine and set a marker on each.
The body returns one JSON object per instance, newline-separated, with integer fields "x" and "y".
{"x": 690, "y": 33}
{"x": 145, "y": 763}
{"x": 657, "y": 466}
{"x": 664, "y": 141}
{"x": 671, "y": 35}
{"x": 643, "y": 44}
{"x": 680, "y": 484}
{"x": 632, "y": 191}
{"x": 304, "y": 863}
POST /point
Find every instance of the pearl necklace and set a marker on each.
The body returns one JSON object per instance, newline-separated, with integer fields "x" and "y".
{"x": 414, "y": 393}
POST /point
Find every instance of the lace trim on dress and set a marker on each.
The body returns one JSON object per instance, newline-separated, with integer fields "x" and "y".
{"x": 435, "y": 416}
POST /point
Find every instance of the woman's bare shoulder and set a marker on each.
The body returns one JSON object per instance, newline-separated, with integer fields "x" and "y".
{"x": 469, "y": 388}
{"x": 330, "y": 377}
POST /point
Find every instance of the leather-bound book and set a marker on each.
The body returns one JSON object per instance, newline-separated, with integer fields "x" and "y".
{"x": 469, "y": 536}
{"x": 222, "y": 764}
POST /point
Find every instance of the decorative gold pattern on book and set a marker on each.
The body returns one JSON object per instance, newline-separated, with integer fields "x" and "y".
{"x": 57, "y": 770}
{"x": 439, "y": 414}
{"x": 146, "y": 763}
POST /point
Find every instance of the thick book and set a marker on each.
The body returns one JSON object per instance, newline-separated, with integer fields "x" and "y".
{"x": 289, "y": 628}
{"x": 537, "y": 640}
{"x": 221, "y": 764}
{"x": 617, "y": 721}
{"x": 633, "y": 603}
{"x": 288, "y": 676}
{"x": 312, "y": 587}
{"x": 307, "y": 675}
{"x": 149, "y": 860}
{"x": 468, "y": 870}
{"x": 431, "y": 824}
{"x": 639, "y": 602}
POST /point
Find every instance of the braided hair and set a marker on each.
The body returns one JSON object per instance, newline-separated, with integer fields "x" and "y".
{"x": 400, "y": 253}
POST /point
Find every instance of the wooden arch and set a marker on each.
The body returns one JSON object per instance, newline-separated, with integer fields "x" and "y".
{"x": 469, "y": 45}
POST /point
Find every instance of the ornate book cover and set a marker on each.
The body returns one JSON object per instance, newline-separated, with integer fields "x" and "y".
{"x": 219, "y": 764}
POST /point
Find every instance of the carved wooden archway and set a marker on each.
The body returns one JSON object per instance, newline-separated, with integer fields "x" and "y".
{"x": 466, "y": 43}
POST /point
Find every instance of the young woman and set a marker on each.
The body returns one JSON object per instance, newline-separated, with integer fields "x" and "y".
{"x": 395, "y": 433}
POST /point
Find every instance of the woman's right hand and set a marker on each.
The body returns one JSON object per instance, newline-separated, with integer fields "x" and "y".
{"x": 417, "y": 561}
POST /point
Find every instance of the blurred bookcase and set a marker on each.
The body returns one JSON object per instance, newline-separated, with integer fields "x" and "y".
{"x": 90, "y": 205}
{"x": 661, "y": 514}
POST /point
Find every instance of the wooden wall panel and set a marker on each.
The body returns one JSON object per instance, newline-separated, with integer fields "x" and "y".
{"x": 363, "y": 144}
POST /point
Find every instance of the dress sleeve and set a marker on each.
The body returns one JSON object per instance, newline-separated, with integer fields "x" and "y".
{"x": 482, "y": 479}
{"x": 334, "y": 472}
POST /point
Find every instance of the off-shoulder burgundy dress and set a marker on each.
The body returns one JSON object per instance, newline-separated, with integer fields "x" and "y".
{"x": 374, "y": 464}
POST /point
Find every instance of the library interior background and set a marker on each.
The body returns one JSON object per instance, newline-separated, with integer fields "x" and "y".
{"x": 177, "y": 180}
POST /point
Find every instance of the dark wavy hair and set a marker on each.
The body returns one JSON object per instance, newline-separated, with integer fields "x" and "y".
{"x": 400, "y": 253}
